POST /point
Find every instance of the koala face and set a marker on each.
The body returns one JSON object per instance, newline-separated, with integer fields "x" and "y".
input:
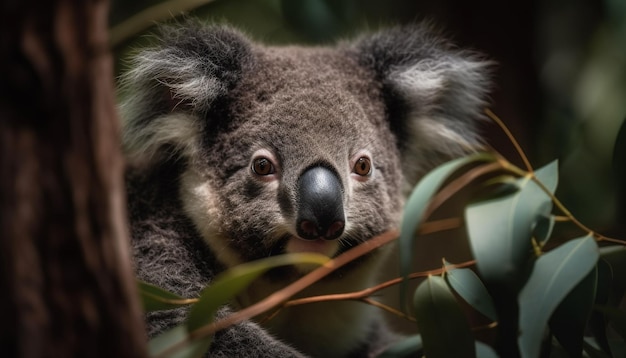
{"x": 292, "y": 149}
{"x": 306, "y": 162}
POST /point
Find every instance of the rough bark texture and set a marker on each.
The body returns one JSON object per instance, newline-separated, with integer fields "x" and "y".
{"x": 66, "y": 285}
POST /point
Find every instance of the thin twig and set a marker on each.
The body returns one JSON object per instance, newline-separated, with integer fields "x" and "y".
{"x": 571, "y": 217}
{"x": 560, "y": 218}
{"x": 610, "y": 239}
{"x": 568, "y": 216}
{"x": 388, "y": 308}
{"x": 360, "y": 295}
{"x": 171, "y": 301}
{"x": 459, "y": 183}
{"x": 485, "y": 327}
{"x": 433, "y": 226}
{"x": 514, "y": 141}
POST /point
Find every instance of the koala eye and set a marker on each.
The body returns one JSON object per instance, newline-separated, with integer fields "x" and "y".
{"x": 263, "y": 166}
{"x": 363, "y": 166}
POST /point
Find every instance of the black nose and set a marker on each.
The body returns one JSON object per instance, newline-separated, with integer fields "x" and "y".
{"x": 320, "y": 205}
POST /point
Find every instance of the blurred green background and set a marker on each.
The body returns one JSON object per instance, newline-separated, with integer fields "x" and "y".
{"x": 560, "y": 84}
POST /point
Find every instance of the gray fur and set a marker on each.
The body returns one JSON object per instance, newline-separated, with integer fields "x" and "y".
{"x": 206, "y": 102}
{"x": 434, "y": 91}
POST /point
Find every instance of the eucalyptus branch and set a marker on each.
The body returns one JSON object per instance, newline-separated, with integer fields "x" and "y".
{"x": 388, "y": 308}
{"x": 568, "y": 216}
{"x": 514, "y": 141}
{"x": 485, "y": 327}
{"x": 433, "y": 226}
{"x": 561, "y": 218}
{"x": 172, "y": 301}
{"x": 368, "y": 292}
{"x": 572, "y": 218}
{"x": 279, "y": 297}
{"x": 459, "y": 183}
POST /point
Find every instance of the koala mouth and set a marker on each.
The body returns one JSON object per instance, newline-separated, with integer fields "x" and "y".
{"x": 319, "y": 246}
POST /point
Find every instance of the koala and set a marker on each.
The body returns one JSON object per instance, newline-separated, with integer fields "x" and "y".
{"x": 238, "y": 151}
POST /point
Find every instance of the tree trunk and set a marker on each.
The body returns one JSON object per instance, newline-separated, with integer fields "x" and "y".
{"x": 66, "y": 284}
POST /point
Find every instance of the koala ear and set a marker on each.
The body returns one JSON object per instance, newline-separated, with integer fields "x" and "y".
{"x": 170, "y": 89}
{"x": 434, "y": 93}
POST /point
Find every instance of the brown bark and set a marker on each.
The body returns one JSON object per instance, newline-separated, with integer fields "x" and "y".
{"x": 66, "y": 284}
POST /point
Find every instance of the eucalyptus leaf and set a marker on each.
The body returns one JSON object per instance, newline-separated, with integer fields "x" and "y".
{"x": 597, "y": 322}
{"x": 484, "y": 351}
{"x": 553, "y": 276}
{"x": 543, "y": 229}
{"x": 442, "y": 324}
{"x": 548, "y": 175}
{"x": 224, "y": 288}
{"x": 408, "y": 347}
{"x": 467, "y": 285}
{"x": 231, "y": 282}
{"x": 615, "y": 256}
{"x": 570, "y": 318}
{"x": 418, "y": 202}
{"x": 155, "y": 298}
{"x": 177, "y": 343}
{"x": 618, "y": 347}
{"x": 613, "y": 253}
{"x": 498, "y": 186}
{"x": 611, "y": 286}
{"x": 500, "y": 229}
{"x": 616, "y": 317}
{"x": 593, "y": 351}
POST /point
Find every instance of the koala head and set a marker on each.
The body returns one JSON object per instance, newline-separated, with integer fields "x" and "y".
{"x": 292, "y": 149}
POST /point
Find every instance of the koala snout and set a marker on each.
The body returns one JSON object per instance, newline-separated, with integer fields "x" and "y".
{"x": 320, "y": 205}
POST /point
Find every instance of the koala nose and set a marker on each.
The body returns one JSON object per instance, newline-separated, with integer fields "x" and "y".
{"x": 320, "y": 212}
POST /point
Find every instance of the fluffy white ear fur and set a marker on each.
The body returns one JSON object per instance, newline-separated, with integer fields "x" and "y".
{"x": 190, "y": 80}
{"x": 444, "y": 97}
{"x": 172, "y": 86}
{"x": 178, "y": 132}
{"x": 159, "y": 75}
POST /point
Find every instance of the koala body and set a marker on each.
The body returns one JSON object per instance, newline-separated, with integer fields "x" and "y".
{"x": 239, "y": 151}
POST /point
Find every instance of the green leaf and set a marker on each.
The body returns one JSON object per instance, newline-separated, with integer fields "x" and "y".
{"x": 224, "y": 288}
{"x": 498, "y": 186}
{"x": 231, "y": 282}
{"x": 570, "y": 318}
{"x": 543, "y": 229}
{"x": 500, "y": 229}
{"x": 178, "y": 336}
{"x": 548, "y": 175}
{"x": 155, "y": 298}
{"x": 611, "y": 286}
{"x": 616, "y": 317}
{"x": 484, "y": 351}
{"x": 467, "y": 285}
{"x": 597, "y": 321}
{"x": 442, "y": 324}
{"x": 615, "y": 256}
{"x": 408, "y": 347}
{"x": 616, "y": 251}
{"x": 618, "y": 347}
{"x": 593, "y": 350}
{"x": 553, "y": 276}
{"x": 417, "y": 204}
